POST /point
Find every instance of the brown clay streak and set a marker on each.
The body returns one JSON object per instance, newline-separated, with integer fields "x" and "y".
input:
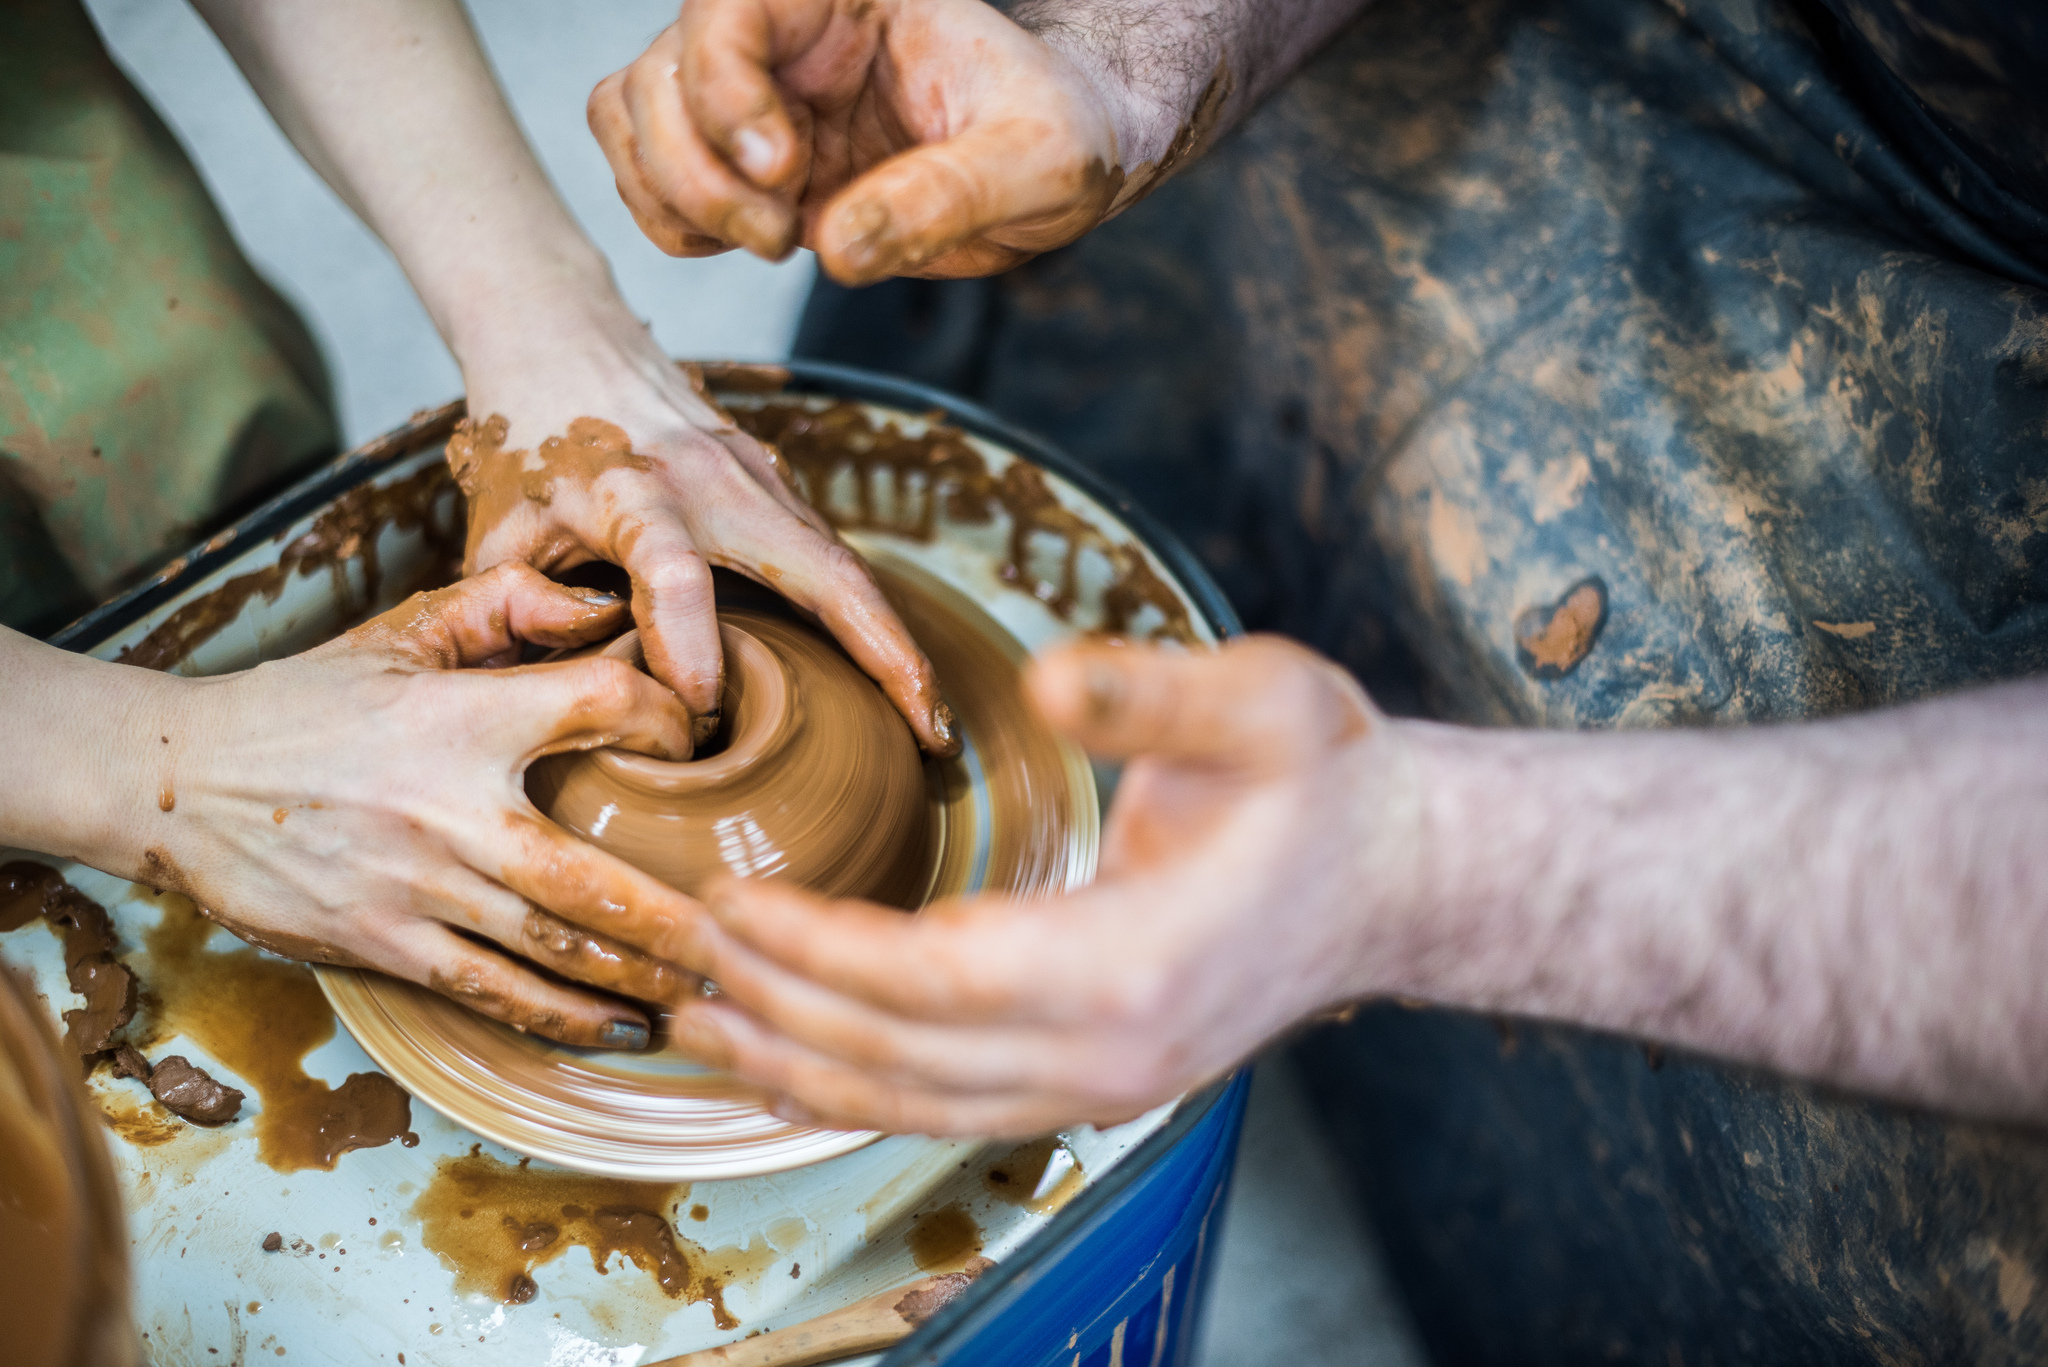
{"x": 940, "y": 468}
{"x": 493, "y": 1223}
{"x": 498, "y": 480}
{"x": 29, "y": 890}
{"x": 347, "y": 531}
{"x": 1193, "y": 138}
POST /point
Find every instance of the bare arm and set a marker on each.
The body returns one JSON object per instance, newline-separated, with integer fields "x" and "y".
{"x": 1178, "y": 76}
{"x": 393, "y": 103}
{"x": 1862, "y": 901}
{"x": 363, "y": 803}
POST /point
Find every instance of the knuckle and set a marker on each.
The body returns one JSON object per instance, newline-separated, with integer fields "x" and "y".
{"x": 842, "y": 566}
{"x": 607, "y": 684}
{"x": 681, "y": 573}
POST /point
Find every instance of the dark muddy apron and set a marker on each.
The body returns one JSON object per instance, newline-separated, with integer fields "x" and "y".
{"x": 1601, "y": 363}
{"x": 148, "y": 378}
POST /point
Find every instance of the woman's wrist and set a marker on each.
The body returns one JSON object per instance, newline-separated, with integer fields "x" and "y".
{"x": 517, "y": 310}
{"x": 96, "y": 749}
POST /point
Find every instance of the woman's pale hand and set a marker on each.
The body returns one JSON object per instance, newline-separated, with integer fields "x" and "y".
{"x": 592, "y": 445}
{"x": 364, "y": 804}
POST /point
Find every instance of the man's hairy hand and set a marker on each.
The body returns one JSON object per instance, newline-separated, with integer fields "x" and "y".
{"x": 1264, "y": 802}
{"x": 893, "y": 137}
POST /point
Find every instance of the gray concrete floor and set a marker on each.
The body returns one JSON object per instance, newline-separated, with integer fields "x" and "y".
{"x": 1298, "y": 1279}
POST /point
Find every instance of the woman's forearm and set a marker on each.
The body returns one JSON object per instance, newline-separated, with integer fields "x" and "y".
{"x": 92, "y": 754}
{"x": 1863, "y": 901}
{"x": 394, "y": 104}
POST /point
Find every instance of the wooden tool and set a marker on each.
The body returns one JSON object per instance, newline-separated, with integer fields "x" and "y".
{"x": 866, "y": 1326}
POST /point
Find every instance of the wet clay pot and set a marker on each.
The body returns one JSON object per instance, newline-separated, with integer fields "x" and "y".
{"x": 63, "y": 1240}
{"x": 814, "y": 778}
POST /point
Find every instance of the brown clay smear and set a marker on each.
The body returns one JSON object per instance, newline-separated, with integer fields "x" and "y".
{"x": 1017, "y": 1176}
{"x": 260, "y": 1017}
{"x": 944, "y": 1240}
{"x": 29, "y": 890}
{"x": 145, "y": 1124}
{"x": 493, "y": 1223}
{"x": 497, "y": 480}
{"x": 1550, "y": 641}
{"x": 940, "y": 468}
{"x": 1190, "y": 141}
{"x": 345, "y": 532}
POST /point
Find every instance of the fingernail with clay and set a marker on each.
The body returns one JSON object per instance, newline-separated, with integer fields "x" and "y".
{"x": 624, "y": 1034}
{"x": 942, "y": 724}
{"x": 700, "y": 1040}
{"x": 703, "y": 728}
{"x": 759, "y": 229}
{"x": 869, "y": 247}
{"x": 755, "y": 153}
{"x": 598, "y": 598}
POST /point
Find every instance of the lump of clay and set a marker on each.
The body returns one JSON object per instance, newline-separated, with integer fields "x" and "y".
{"x": 818, "y": 781}
{"x": 192, "y": 1093}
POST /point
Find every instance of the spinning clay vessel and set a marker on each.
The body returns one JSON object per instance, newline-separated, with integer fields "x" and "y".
{"x": 814, "y": 778}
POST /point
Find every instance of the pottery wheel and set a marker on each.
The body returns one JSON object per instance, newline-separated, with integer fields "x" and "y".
{"x": 1016, "y": 812}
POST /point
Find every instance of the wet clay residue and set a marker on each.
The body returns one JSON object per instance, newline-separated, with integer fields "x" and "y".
{"x": 934, "y": 1294}
{"x": 493, "y": 1223}
{"x": 346, "y": 531}
{"x": 260, "y": 1017}
{"x": 1550, "y": 641}
{"x": 736, "y": 377}
{"x": 1189, "y": 141}
{"x": 144, "y": 1123}
{"x": 944, "y": 1240}
{"x": 1027, "y": 1177}
{"x": 942, "y": 467}
{"x": 497, "y": 481}
{"x": 30, "y": 890}
{"x": 181, "y": 1088}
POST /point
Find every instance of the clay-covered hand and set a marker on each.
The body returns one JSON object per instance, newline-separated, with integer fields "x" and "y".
{"x": 363, "y": 803}
{"x": 1266, "y": 820}
{"x": 598, "y": 448}
{"x": 894, "y": 137}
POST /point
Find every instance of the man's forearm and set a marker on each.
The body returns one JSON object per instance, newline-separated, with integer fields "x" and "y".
{"x": 1179, "y": 75}
{"x": 1862, "y": 901}
{"x": 393, "y": 103}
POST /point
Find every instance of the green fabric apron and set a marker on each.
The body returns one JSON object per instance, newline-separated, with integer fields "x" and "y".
{"x": 148, "y": 378}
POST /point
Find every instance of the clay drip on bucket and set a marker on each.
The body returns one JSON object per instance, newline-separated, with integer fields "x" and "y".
{"x": 817, "y": 780}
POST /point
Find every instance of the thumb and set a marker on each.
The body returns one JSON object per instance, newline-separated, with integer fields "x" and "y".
{"x": 920, "y": 205}
{"x": 483, "y": 619}
{"x": 1259, "y": 704}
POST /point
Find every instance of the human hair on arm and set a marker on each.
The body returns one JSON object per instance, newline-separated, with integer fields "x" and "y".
{"x": 1179, "y": 75}
{"x": 1861, "y": 901}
